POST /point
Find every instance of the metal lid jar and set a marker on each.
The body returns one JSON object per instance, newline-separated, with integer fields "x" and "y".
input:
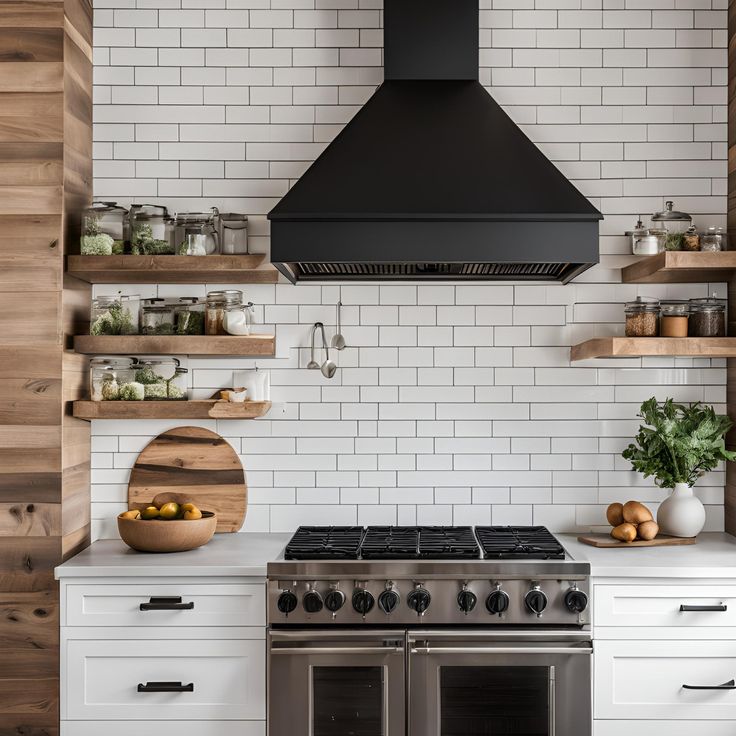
{"x": 106, "y": 375}
{"x": 189, "y": 316}
{"x": 115, "y": 315}
{"x": 157, "y": 317}
{"x": 217, "y": 303}
{"x": 675, "y": 223}
{"x": 233, "y": 233}
{"x": 673, "y": 318}
{"x": 150, "y": 230}
{"x": 104, "y": 230}
{"x": 162, "y": 379}
{"x": 239, "y": 319}
{"x": 642, "y": 317}
{"x": 707, "y": 317}
{"x": 196, "y": 233}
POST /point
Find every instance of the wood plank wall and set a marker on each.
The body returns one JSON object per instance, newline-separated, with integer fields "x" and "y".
{"x": 45, "y": 181}
{"x": 730, "y": 497}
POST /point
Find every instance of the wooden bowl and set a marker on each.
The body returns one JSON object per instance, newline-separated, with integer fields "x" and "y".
{"x": 157, "y": 535}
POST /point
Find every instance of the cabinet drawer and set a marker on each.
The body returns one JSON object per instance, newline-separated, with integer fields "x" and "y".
{"x": 229, "y": 679}
{"x": 659, "y": 605}
{"x": 644, "y": 680}
{"x": 657, "y": 728}
{"x": 154, "y": 728}
{"x": 201, "y": 605}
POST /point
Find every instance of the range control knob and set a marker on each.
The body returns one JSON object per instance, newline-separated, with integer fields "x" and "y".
{"x": 418, "y": 600}
{"x": 576, "y": 600}
{"x": 312, "y": 602}
{"x": 388, "y": 601}
{"x": 466, "y": 600}
{"x": 536, "y": 601}
{"x": 334, "y": 601}
{"x": 497, "y": 602}
{"x": 287, "y": 602}
{"x": 363, "y": 601}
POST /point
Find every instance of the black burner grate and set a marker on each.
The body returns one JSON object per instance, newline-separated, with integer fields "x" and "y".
{"x": 448, "y": 542}
{"x": 390, "y": 543}
{"x": 427, "y": 542}
{"x": 519, "y": 542}
{"x": 324, "y": 542}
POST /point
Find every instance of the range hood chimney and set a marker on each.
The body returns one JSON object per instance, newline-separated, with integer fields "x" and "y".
{"x": 431, "y": 180}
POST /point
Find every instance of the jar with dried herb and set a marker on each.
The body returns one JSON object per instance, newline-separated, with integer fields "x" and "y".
{"x": 157, "y": 317}
{"x": 189, "y": 316}
{"x": 642, "y": 317}
{"x": 707, "y": 317}
{"x": 675, "y": 223}
{"x": 115, "y": 315}
{"x": 674, "y": 318}
{"x": 218, "y": 302}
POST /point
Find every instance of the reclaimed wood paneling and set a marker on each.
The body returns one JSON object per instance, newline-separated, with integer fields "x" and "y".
{"x": 730, "y": 491}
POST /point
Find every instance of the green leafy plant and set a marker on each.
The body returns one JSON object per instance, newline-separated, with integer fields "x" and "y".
{"x": 679, "y": 443}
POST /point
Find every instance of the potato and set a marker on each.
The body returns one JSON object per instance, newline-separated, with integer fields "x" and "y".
{"x": 636, "y": 513}
{"x": 615, "y": 514}
{"x": 647, "y": 530}
{"x": 624, "y": 532}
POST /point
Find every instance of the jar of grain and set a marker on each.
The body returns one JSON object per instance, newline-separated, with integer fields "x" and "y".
{"x": 673, "y": 318}
{"x": 218, "y": 302}
{"x": 642, "y": 318}
{"x": 707, "y": 317}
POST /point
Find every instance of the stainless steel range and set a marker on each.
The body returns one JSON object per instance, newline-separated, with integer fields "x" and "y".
{"x": 428, "y": 631}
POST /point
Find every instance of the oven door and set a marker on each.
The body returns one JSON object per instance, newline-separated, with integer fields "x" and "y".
{"x": 334, "y": 683}
{"x": 500, "y": 683}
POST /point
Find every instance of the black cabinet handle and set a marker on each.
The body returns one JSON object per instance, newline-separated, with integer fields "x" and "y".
{"x": 730, "y": 685}
{"x": 165, "y": 687}
{"x": 166, "y": 603}
{"x": 719, "y": 607}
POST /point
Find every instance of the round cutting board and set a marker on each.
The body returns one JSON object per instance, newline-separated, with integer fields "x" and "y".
{"x": 195, "y": 463}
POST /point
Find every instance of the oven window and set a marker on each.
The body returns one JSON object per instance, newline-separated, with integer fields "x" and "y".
{"x": 503, "y": 701}
{"x": 347, "y": 701}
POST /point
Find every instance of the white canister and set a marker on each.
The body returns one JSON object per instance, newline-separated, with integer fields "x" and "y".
{"x": 256, "y": 382}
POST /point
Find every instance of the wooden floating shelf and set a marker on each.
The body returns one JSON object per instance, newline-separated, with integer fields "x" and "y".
{"x": 249, "y": 346}
{"x": 207, "y": 409}
{"x": 676, "y": 267}
{"x": 638, "y": 347}
{"x": 172, "y": 269}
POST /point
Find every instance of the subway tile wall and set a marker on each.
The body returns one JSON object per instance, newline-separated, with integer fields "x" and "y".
{"x": 453, "y": 403}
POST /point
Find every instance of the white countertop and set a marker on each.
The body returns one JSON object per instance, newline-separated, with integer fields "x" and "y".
{"x": 243, "y": 555}
{"x": 713, "y": 556}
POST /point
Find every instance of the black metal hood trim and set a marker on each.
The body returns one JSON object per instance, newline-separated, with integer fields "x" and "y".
{"x": 431, "y": 173}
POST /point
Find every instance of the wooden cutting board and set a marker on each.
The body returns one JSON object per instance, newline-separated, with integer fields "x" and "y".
{"x": 607, "y": 541}
{"x": 197, "y": 463}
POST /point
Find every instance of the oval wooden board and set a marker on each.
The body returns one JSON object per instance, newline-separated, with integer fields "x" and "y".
{"x": 197, "y": 463}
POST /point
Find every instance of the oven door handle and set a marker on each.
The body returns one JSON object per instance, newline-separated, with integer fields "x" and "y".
{"x": 500, "y": 650}
{"x": 337, "y": 650}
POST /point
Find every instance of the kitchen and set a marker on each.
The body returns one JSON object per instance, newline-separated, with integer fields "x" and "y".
{"x": 455, "y": 402}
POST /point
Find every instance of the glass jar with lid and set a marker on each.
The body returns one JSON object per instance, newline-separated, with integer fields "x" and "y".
{"x": 106, "y": 375}
{"x": 189, "y": 316}
{"x": 646, "y": 241}
{"x": 163, "y": 379}
{"x": 217, "y": 303}
{"x": 196, "y": 233}
{"x": 713, "y": 239}
{"x": 707, "y": 317}
{"x": 642, "y": 317}
{"x": 239, "y": 319}
{"x": 150, "y": 230}
{"x": 233, "y": 233}
{"x": 104, "y": 230}
{"x": 115, "y": 315}
{"x": 673, "y": 318}
{"x": 157, "y": 317}
{"x": 675, "y": 223}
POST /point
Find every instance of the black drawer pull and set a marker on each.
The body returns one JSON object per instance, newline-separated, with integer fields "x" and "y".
{"x": 719, "y": 607}
{"x": 730, "y": 685}
{"x": 166, "y": 603}
{"x": 165, "y": 687}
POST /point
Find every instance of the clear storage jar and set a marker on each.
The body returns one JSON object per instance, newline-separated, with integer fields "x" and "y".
{"x": 714, "y": 239}
{"x": 195, "y": 233}
{"x": 642, "y": 318}
{"x": 673, "y": 318}
{"x": 707, "y": 317}
{"x": 646, "y": 241}
{"x": 104, "y": 230}
{"x": 163, "y": 379}
{"x": 106, "y": 375}
{"x": 189, "y": 316}
{"x": 234, "y": 233}
{"x": 150, "y": 230}
{"x": 115, "y": 315}
{"x": 675, "y": 223}
{"x": 239, "y": 319}
{"x": 217, "y": 303}
{"x": 157, "y": 317}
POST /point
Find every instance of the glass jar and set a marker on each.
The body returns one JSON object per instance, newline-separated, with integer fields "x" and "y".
{"x": 676, "y": 224}
{"x": 673, "y": 318}
{"x": 234, "y": 233}
{"x": 157, "y": 317}
{"x": 189, "y": 316}
{"x": 217, "y": 303}
{"x": 691, "y": 239}
{"x": 239, "y": 319}
{"x": 196, "y": 233}
{"x": 104, "y": 230}
{"x": 707, "y": 317}
{"x": 646, "y": 241}
{"x": 713, "y": 240}
{"x": 163, "y": 379}
{"x": 106, "y": 375}
{"x": 150, "y": 230}
{"x": 115, "y": 315}
{"x": 642, "y": 318}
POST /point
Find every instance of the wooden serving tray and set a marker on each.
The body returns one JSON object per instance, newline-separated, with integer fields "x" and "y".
{"x": 608, "y": 542}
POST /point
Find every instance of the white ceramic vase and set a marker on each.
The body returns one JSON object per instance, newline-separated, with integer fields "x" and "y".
{"x": 681, "y": 514}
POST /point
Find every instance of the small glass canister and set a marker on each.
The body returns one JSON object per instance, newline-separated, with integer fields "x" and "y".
{"x": 642, "y": 318}
{"x": 157, "y": 317}
{"x": 707, "y": 317}
{"x": 104, "y": 230}
{"x": 217, "y": 303}
{"x": 646, "y": 241}
{"x": 196, "y": 233}
{"x": 162, "y": 379}
{"x": 239, "y": 319}
{"x": 106, "y": 375}
{"x": 115, "y": 315}
{"x": 713, "y": 240}
{"x": 189, "y": 316}
{"x": 674, "y": 318}
{"x": 675, "y": 223}
{"x": 234, "y": 233}
{"x": 150, "y": 230}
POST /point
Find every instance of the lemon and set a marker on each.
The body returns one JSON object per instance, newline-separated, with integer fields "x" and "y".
{"x": 150, "y": 512}
{"x": 193, "y": 513}
{"x": 132, "y": 514}
{"x": 169, "y": 511}
{"x": 188, "y": 507}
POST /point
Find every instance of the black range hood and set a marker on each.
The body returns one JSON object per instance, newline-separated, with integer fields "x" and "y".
{"x": 431, "y": 179}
